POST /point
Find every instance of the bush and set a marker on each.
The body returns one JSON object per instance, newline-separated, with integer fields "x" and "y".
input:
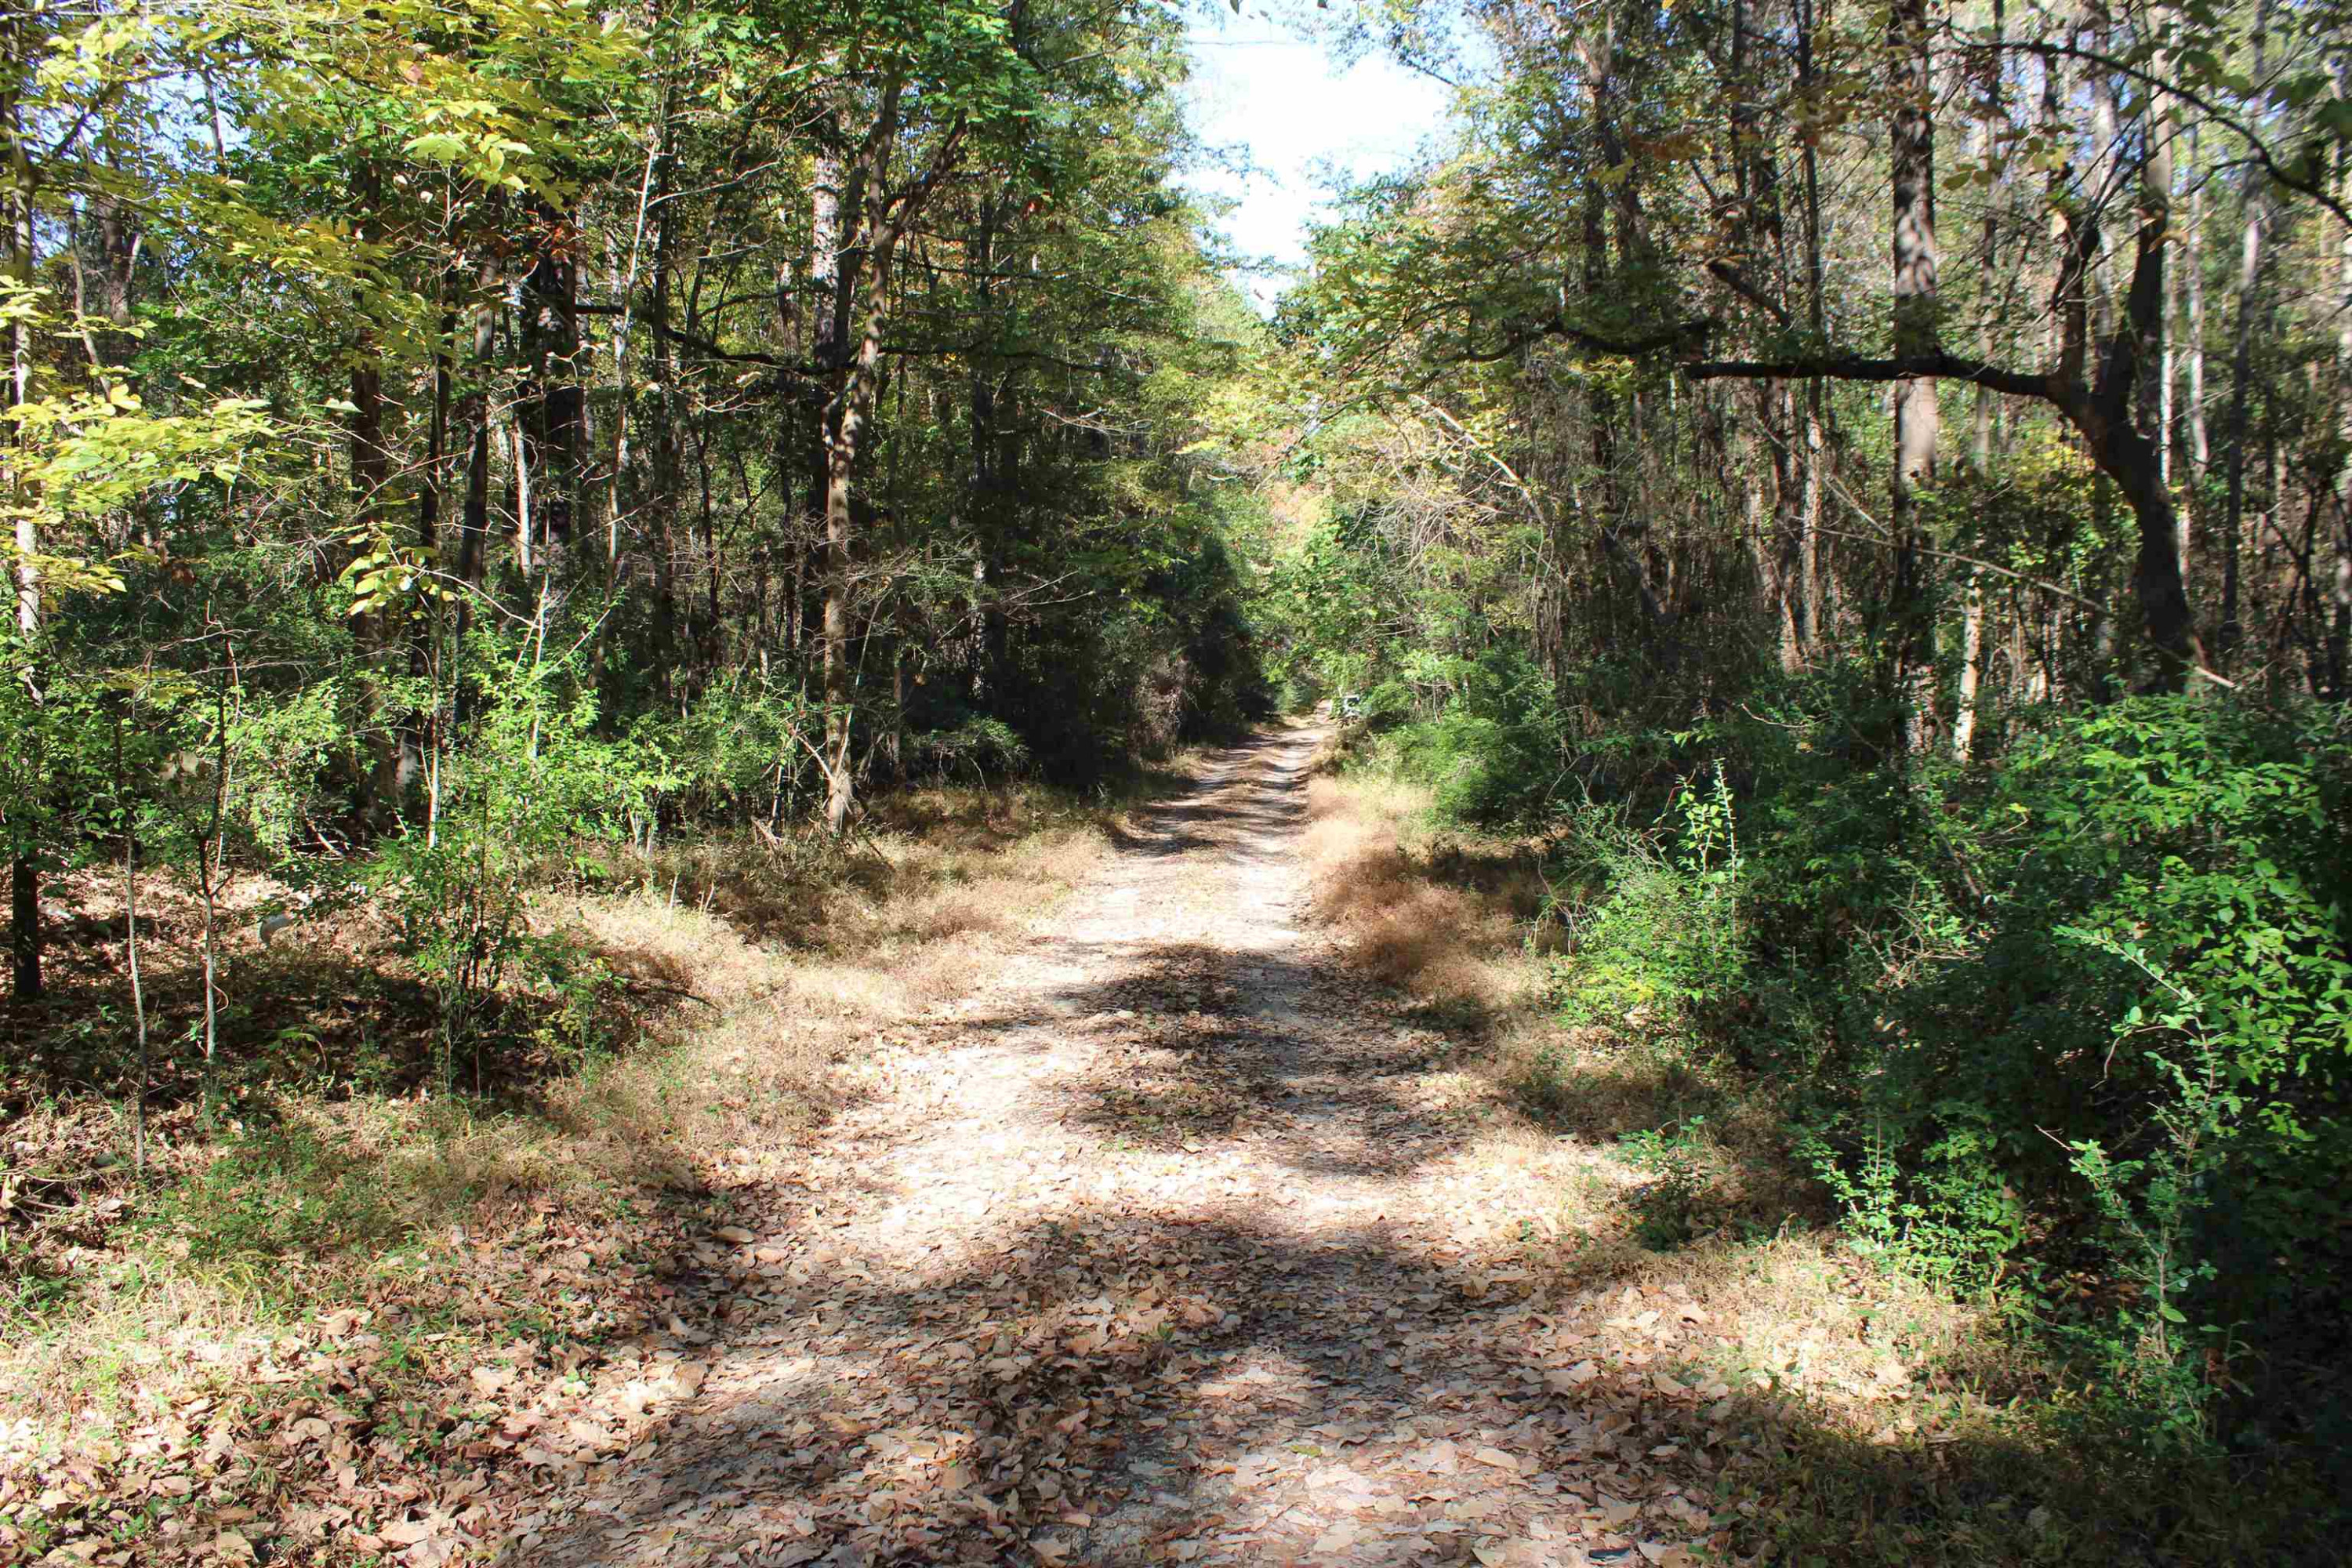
{"x": 1661, "y": 942}
{"x": 1493, "y": 753}
{"x": 979, "y": 747}
{"x": 2041, "y": 980}
{"x": 531, "y": 783}
{"x": 2199, "y": 851}
{"x": 746, "y": 749}
{"x": 2083, "y": 1016}
{"x": 1667, "y": 1206}
{"x": 1174, "y": 660}
{"x": 2075, "y": 1023}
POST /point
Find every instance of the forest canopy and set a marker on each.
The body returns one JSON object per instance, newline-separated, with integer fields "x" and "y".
{"x": 776, "y": 398}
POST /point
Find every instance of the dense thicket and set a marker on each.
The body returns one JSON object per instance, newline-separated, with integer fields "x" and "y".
{"x": 1876, "y": 480}
{"x": 440, "y": 430}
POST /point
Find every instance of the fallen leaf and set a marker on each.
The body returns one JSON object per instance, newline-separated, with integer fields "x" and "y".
{"x": 309, "y": 1429}
{"x": 1336, "y": 1539}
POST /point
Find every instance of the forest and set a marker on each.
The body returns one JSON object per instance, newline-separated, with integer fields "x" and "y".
{"x": 579, "y": 571}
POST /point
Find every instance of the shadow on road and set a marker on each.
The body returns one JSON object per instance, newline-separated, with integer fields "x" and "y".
{"x": 1231, "y": 1325}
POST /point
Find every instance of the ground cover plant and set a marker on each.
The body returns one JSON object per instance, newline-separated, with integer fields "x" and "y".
{"x": 2057, "y": 1337}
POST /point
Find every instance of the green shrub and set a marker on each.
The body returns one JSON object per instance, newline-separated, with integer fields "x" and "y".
{"x": 528, "y": 786}
{"x": 2022, "y": 965}
{"x": 746, "y": 748}
{"x": 978, "y": 748}
{"x": 1662, "y": 943}
{"x": 2214, "y": 841}
{"x": 1667, "y": 1206}
{"x": 1492, "y": 754}
{"x": 2075, "y": 1023}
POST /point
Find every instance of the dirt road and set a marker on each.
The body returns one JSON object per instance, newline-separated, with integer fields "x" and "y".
{"x": 1160, "y": 1245}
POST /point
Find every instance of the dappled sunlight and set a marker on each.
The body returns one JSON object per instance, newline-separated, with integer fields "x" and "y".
{"x": 1114, "y": 1386}
{"x": 1178, "y": 1239}
{"x": 498, "y": 1269}
{"x": 1150, "y": 1226}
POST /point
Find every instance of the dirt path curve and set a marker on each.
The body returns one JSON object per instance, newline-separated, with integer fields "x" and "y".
{"x": 1155, "y": 1248}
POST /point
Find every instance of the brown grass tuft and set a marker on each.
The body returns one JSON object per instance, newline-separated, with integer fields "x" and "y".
{"x": 1441, "y": 919}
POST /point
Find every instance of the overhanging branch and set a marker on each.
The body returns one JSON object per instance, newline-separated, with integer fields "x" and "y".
{"x": 1911, "y": 367}
{"x": 1685, "y": 334}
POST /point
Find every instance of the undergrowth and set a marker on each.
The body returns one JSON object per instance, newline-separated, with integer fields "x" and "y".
{"x": 687, "y": 1015}
{"x": 2048, "y": 1054}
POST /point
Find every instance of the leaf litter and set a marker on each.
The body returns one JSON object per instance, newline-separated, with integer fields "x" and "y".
{"x": 1162, "y": 1245}
{"x": 1167, "y": 1243}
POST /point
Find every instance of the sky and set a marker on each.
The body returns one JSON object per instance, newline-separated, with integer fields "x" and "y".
{"x": 1259, "y": 83}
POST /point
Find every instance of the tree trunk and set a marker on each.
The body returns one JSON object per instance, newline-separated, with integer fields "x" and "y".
{"x": 1980, "y": 446}
{"x": 371, "y": 466}
{"x": 553, "y": 405}
{"x": 420, "y": 739}
{"x": 114, "y": 227}
{"x": 371, "y": 459}
{"x": 1917, "y": 421}
{"x": 1809, "y": 162}
{"x": 2165, "y": 382}
{"x": 1992, "y": 116}
{"x": 864, "y": 293}
{"x": 987, "y": 494}
{"x": 2127, "y": 454}
{"x": 474, "y": 417}
{"x": 845, "y": 424}
{"x": 2241, "y": 354}
{"x": 1972, "y": 617}
{"x": 2199, "y": 446}
{"x": 16, "y": 262}
{"x": 828, "y": 282}
{"x": 1793, "y": 533}
{"x": 662, "y": 483}
{"x": 130, "y": 953}
{"x": 2339, "y": 641}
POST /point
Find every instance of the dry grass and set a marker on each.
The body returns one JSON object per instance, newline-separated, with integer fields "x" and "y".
{"x": 753, "y": 976}
{"x": 1443, "y": 920}
{"x": 902, "y": 924}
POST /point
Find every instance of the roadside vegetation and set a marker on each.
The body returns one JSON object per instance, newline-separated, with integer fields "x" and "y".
{"x": 335, "y": 1301}
{"x": 1847, "y": 503}
{"x": 1929, "y": 1396}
